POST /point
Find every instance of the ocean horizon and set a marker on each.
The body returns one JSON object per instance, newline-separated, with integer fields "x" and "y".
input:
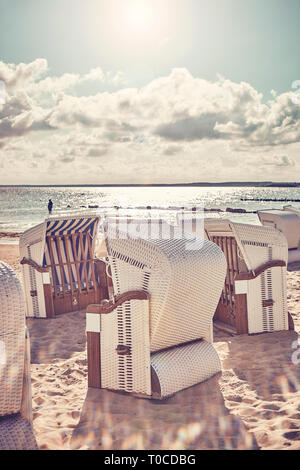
{"x": 23, "y": 206}
{"x": 256, "y": 184}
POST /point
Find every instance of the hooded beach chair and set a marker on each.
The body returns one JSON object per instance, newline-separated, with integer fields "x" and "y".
{"x": 15, "y": 385}
{"x": 154, "y": 337}
{"x": 254, "y": 296}
{"x": 287, "y": 221}
{"x": 60, "y": 272}
{"x": 295, "y": 210}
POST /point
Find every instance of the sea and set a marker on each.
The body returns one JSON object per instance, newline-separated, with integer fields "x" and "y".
{"x": 24, "y": 207}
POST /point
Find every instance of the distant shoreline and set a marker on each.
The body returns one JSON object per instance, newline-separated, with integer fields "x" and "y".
{"x": 265, "y": 184}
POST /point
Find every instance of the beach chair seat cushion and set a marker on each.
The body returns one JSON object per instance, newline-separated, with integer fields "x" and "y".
{"x": 184, "y": 366}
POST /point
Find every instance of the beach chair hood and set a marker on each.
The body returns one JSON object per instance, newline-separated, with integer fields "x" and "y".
{"x": 183, "y": 276}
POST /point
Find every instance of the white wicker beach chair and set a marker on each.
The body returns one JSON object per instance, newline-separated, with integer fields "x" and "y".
{"x": 295, "y": 210}
{"x": 154, "y": 337}
{"x": 15, "y": 386}
{"x": 60, "y": 272}
{"x": 254, "y": 298}
{"x": 287, "y": 221}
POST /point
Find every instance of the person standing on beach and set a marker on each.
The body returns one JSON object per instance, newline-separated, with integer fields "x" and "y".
{"x": 50, "y": 205}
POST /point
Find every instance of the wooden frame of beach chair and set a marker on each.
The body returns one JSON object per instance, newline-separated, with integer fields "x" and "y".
{"x": 254, "y": 296}
{"x": 60, "y": 271}
{"x": 15, "y": 384}
{"x": 154, "y": 337}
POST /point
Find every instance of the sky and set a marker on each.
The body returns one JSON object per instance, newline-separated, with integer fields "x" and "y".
{"x": 149, "y": 91}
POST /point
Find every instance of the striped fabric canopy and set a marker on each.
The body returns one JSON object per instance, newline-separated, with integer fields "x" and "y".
{"x": 69, "y": 244}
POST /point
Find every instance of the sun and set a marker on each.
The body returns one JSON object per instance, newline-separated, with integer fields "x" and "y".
{"x": 139, "y": 16}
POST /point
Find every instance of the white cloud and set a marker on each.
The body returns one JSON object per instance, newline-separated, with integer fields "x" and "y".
{"x": 52, "y": 85}
{"x": 183, "y": 108}
{"x": 118, "y": 78}
{"x": 279, "y": 162}
{"x": 177, "y": 127}
{"x": 20, "y": 75}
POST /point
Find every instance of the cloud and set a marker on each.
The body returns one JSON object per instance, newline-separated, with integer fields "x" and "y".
{"x": 67, "y": 159}
{"x": 175, "y": 125}
{"x": 20, "y": 115}
{"x": 32, "y": 78}
{"x": 52, "y": 85}
{"x": 280, "y": 162}
{"x": 97, "y": 152}
{"x": 171, "y": 150}
{"x": 15, "y": 76}
{"x": 118, "y": 78}
{"x": 183, "y": 108}
{"x": 192, "y": 128}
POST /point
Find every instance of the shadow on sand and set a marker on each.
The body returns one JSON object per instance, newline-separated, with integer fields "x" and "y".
{"x": 294, "y": 266}
{"x": 53, "y": 339}
{"x": 265, "y": 363}
{"x": 196, "y": 418}
{"x": 262, "y": 381}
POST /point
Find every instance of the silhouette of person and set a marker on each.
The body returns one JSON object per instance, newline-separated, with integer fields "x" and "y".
{"x": 50, "y": 205}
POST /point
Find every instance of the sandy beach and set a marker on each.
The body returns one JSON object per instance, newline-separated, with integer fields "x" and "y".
{"x": 176, "y": 123}
{"x": 253, "y": 404}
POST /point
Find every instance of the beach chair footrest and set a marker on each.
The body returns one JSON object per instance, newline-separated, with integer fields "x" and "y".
{"x": 182, "y": 367}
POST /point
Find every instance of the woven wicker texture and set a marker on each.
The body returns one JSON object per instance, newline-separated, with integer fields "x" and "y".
{"x": 184, "y": 366}
{"x": 258, "y": 245}
{"x": 15, "y": 431}
{"x": 127, "y": 325}
{"x": 16, "y": 434}
{"x": 31, "y": 246}
{"x": 183, "y": 276}
{"x": 31, "y": 236}
{"x": 269, "y": 285}
{"x": 12, "y": 340}
{"x": 287, "y": 222}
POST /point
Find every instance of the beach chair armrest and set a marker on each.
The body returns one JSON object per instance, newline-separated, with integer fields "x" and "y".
{"x": 105, "y": 348}
{"x": 254, "y": 302}
{"x": 109, "y": 305}
{"x": 258, "y": 271}
{"x": 34, "y": 265}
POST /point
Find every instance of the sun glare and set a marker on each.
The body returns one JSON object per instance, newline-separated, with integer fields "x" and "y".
{"x": 135, "y": 26}
{"x": 139, "y": 16}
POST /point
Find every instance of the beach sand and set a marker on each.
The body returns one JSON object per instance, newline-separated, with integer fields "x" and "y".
{"x": 253, "y": 403}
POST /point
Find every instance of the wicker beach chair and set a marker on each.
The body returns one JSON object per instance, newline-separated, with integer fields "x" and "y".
{"x": 60, "y": 272}
{"x": 287, "y": 221}
{"x": 15, "y": 386}
{"x": 295, "y": 210}
{"x": 254, "y": 297}
{"x": 154, "y": 337}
